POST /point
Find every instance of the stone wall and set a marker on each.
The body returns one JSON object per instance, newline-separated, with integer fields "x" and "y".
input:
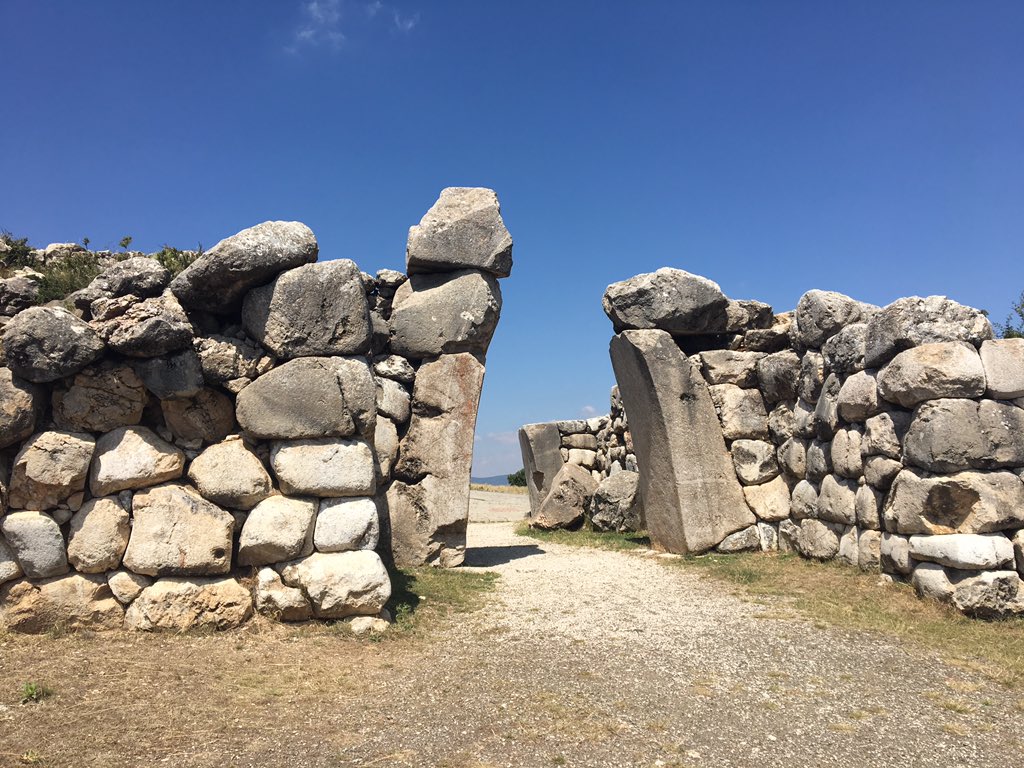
{"x": 601, "y": 446}
{"x": 263, "y": 432}
{"x": 889, "y": 438}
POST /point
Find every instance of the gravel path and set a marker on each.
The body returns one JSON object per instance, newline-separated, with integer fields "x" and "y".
{"x": 597, "y": 658}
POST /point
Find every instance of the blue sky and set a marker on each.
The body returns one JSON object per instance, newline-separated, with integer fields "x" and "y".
{"x": 774, "y": 146}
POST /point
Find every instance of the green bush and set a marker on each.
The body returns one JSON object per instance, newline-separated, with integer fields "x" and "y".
{"x": 174, "y": 260}
{"x": 67, "y": 276}
{"x": 19, "y": 255}
{"x": 1013, "y": 328}
{"x": 518, "y": 478}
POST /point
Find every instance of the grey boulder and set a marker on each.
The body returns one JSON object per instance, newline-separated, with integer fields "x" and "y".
{"x": 43, "y": 344}
{"x": 914, "y": 321}
{"x": 669, "y": 300}
{"x": 463, "y": 229}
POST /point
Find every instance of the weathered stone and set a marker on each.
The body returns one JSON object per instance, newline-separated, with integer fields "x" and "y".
{"x": 35, "y": 539}
{"x": 880, "y": 471}
{"x": 277, "y": 529}
{"x": 949, "y": 435}
{"x": 327, "y": 467}
{"x": 133, "y": 457}
{"x": 837, "y": 500}
{"x": 438, "y": 314}
{"x": 772, "y": 339}
{"x": 209, "y": 415}
{"x": 858, "y": 397}
{"x": 811, "y": 378}
{"x": 804, "y": 422}
{"x": 98, "y": 536}
{"x": 989, "y": 595}
{"x": 1003, "y": 360}
{"x": 1018, "y": 551}
{"x": 343, "y": 525}
{"x": 819, "y": 461}
{"x": 9, "y": 567}
{"x": 70, "y": 602}
{"x": 172, "y": 376}
{"x": 932, "y": 371}
{"x": 567, "y": 502}
{"x": 741, "y": 412}
{"x": 883, "y": 434}
{"x": 778, "y": 375}
{"x": 231, "y": 475}
{"x": 895, "y": 554}
{"x": 43, "y": 344}
{"x": 50, "y": 467}
{"x": 792, "y": 458}
{"x": 964, "y": 550}
{"x": 821, "y": 315}
{"x": 931, "y": 581}
{"x": 225, "y": 359}
{"x": 723, "y": 366}
{"x": 341, "y": 584}
{"x": 463, "y": 229}
{"x": 782, "y": 422}
{"x": 769, "y": 536}
{"x": 217, "y": 280}
{"x": 21, "y": 403}
{"x": 176, "y": 532}
{"x": 126, "y": 585}
{"x": 428, "y": 510}
{"x": 310, "y": 397}
{"x": 17, "y": 294}
{"x": 279, "y": 602}
{"x": 789, "y": 535}
{"x": 843, "y": 354}
{"x": 846, "y": 459}
{"x": 754, "y": 461}
{"x": 914, "y": 321}
{"x": 100, "y": 399}
{"x": 394, "y": 367}
{"x": 769, "y": 501}
{"x": 580, "y": 442}
{"x": 692, "y": 499}
{"x": 615, "y": 505}
{"x": 826, "y": 412}
{"x": 312, "y": 310}
{"x": 868, "y": 504}
{"x": 746, "y": 314}
{"x": 869, "y": 556}
{"x": 181, "y": 604}
{"x": 849, "y": 549}
{"x": 669, "y": 300}
{"x": 539, "y": 444}
{"x": 385, "y": 444}
{"x": 148, "y": 328}
{"x": 136, "y": 276}
{"x": 819, "y": 540}
{"x": 965, "y": 502}
{"x": 747, "y": 540}
{"x": 582, "y": 458}
{"x": 393, "y": 400}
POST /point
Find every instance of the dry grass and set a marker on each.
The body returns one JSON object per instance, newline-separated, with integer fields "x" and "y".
{"x": 519, "y": 490}
{"x": 586, "y": 538}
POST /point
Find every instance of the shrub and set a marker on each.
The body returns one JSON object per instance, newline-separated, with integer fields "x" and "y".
{"x": 174, "y": 260}
{"x": 518, "y": 478}
{"x": 1013, "y": 328}
{"x": 69, "y": 275}
{"x": 19, "y": 253}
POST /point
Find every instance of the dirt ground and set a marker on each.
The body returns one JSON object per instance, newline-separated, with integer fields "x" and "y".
{"x": 581, "y": 657}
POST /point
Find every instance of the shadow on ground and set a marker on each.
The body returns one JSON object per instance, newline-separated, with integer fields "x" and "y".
{"x": 487, "y": 557}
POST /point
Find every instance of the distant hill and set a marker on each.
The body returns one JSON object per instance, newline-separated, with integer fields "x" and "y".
{"x": 492, "y": 480}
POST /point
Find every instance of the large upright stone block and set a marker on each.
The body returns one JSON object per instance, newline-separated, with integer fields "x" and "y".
{"x": 428, "y": 505}
{"x": 690, "y": 493}
{"x": 542, "y": 459}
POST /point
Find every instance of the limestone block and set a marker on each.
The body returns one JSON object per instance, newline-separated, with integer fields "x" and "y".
{"x": 880, "y": 471}
{"x": 35, "y": 540}
{"x": 819, "y": 460}
{"x": 868, "y": 506}
{"x": 176, "y": 532}
{"x": 804, "y": 502}
{"x": 858, "y": 397}
{"x": 217, "y": 280}
{"x": 1003, "y": 360}
{"x": 792, "y": 458}
{"x": 845, "y": 451}
{"x": 669, "y": 300}
{"x": 582, "y": 458}
{"x": 789, "y": 535}
{"x": 964, "y": 502}
{"x": 723, "y": 366}
{"x": 949, "y": 435}
{"x": 133, "y": 457}
{"x": 844, "y": 353}
{"x": 822, "y": 314}
{"x": 341, "y": 584}
{"x": 1018, "y": 550}
{"x": 565, "y": 505}
{"x": 770, "y": 501}
{"x": 615, "y": 505}
{"x": 747, "y": 540}
{"x": 812, "y": 376}
{"x": 21, "y": 403}
{"x": 819, "y": 540}
{"x": 769, "y": 535}
{"x": 171, "y": 376}
{"x": 968, "y": 551}
{"x": 223, "y": 359}
{"x": 50, "y": 467}
{"x": 849, "y": 547}
{"x": 98, "y": 536}
{"x": 883, "y": 434}
{"x": 9, "y": 566}
{"x": 147, "y": 328}
{"x": 310, "y": 397}
{"x": 231, "y": 475}
{"x": 754, "y": 461}
{"x": 914, "y": 321}
{"x": 126, "y": 586}
{"x": 344, "y": 525}
{"x": 930, "y": 372}
{"x": 326, "y": 467}
{"x": 183, "y": 604}
{"x": 394, "y": 367}
{"x": 43, "y": 344}
{"x": 990, "y": 595}
{"x": 895, "y": 554}
{"x": 837, "y": 500}
{"x": 782, "y": 421}
{"x": 393, "y": 400}
{"x": 385, "y": 443}
{"x": 208, "y": 415}
{"x": 741, "y": 412}
{"x": 930, "y": 580}
{"x": 279, "y": 602}
{"x": 462, "y": 229}
{"x": 869, "y": 556}
{"x": 277, "y": 529}
{"x": 71, "y": 602}
{"x": 777, "y": 376}
{"x": 101, "y": 398}
{"x": 826, "y": 412}
{"x": 692, "y": 499}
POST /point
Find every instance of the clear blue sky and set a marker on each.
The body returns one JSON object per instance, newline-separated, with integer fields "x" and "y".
{"x": 875, "y": 148}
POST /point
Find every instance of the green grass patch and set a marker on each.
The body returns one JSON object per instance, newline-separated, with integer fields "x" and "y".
{"x": 837, "y": 595}
{"x": 587, "y": 538}
{"x": 420, "y": 597}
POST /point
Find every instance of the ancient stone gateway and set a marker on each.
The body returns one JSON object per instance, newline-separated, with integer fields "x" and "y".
{"x": 262, "y": 413}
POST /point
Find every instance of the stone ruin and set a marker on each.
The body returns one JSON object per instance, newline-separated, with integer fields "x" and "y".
{"x": 891, "y": 439}
{"x": 263, "y": 432}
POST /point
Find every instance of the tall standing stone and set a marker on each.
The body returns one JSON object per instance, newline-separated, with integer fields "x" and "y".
{"x": 540, "y": 445}
{"x": 690, "y": 493}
